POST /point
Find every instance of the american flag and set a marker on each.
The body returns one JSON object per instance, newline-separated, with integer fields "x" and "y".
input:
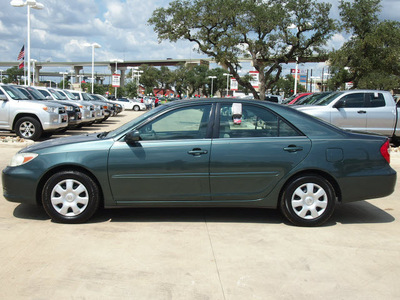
{"x": 21, "y": 53}
{"x": 21, "y": 65}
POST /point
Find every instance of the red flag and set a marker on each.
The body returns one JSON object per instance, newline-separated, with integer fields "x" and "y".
{"x": 21, "y": 53}
{"x": 21, "y": 65}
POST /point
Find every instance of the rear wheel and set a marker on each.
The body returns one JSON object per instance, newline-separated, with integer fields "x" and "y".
{"x": 70, "y": 197}
{"x": 308, "y": 200}
{"x": 28, "y": 128}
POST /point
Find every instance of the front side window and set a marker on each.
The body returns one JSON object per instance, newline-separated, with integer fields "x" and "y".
{"x": 183, "y": 123}
{"x": 353, "y": 100}
{"x": 254, "y": 121}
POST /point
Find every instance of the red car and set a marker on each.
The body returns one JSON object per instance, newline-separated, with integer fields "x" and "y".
{"x": 293, "y": 99}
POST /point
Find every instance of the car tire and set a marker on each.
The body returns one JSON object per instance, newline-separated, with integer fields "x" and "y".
{"x": 28, "y": 128}
{"x": 136, "y": 108}
{"x": 70, "y": 197}
{"x": 308, "y": 200}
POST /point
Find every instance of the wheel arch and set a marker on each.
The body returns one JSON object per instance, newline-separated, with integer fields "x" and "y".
{"x": 22, "y": 115}
{"x": 57, "y": 169}
{"x": 313, "y": 172}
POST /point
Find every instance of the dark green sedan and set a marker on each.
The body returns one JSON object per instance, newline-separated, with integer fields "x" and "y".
{"x": 205, "y": 153}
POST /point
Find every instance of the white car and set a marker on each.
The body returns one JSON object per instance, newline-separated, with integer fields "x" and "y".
{"x": 130, "y": 104}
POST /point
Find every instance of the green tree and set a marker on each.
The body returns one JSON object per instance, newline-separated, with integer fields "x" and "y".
{"x": 371, "y": 58}
{"x": 13, "y": 75}
{"x": 256, "y": 29}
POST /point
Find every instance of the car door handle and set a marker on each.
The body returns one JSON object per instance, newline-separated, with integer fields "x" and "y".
{"x": 293, "y": 148}
{"x": 197, "y": 152}
{"x": 361, "y": 112}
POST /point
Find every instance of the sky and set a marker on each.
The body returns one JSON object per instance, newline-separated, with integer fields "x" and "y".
{"x": 60, "y": 31}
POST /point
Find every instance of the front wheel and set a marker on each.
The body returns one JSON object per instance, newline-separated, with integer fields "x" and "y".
{"x": 28, "y": 128}
{"x": 70, "y": 197}
{"x": 136, "y": 108}
{"x": 308, "y": 200}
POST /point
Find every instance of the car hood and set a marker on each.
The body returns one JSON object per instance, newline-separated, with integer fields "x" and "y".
{"x": 307, "y": 108}
{"x": 62, "y": 141}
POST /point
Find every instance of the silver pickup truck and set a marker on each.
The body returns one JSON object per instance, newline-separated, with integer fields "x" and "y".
{"x": 28, "y": 118}
{"x": 360, "y": 110}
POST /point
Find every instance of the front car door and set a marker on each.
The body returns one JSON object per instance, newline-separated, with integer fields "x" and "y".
{"x": 170, "y": 162}
{"x": 352, "y": 113}
{"x": 252, "y": 152}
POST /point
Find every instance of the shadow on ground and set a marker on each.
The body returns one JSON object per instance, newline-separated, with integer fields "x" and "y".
{"x": 352, "y": 213}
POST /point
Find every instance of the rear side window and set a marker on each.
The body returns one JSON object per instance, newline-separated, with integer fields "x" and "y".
{"x": 376, "y": 99}
{"x": 254, "y": 121}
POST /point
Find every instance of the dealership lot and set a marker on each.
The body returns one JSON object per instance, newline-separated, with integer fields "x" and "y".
{"x": 199, "y": 253}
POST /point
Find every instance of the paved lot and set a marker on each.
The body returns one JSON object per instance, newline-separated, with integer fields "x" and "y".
{"x": 199, "y": 253}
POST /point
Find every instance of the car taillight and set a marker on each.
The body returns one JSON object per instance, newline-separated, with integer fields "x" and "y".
{"x": 385, "y": 151}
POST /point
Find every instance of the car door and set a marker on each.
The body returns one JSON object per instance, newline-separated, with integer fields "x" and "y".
{"x": 170, "y": 162}
{"x": 250, "y": 154}
{"x": 381, "y": 118}
{"x": 352, "y": 113}
{"x": 4, "y": 111}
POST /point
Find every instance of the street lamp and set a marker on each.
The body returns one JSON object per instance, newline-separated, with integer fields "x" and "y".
{"x": 36, "y": 5}
{"x": 33, "y": 61}
{"x": 212, "y": 86}
{"x": 227, "y": 82}
{"x": 93, "y": 45}
{"x": 116, "y": 61}
{"x": 63, "y": 74}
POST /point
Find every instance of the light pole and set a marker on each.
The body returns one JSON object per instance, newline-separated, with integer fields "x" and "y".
{"x": 33, "y": 61}
{"x": 227, "y": 82}
{"x": 36, "y": 5}
{"x": 116, "y": 61}
{"x": 93, "y": 45}
{"x": 1, "y": 76}
{"x": 295, "y": 76}
{"x": 136, "y": 73}
{"x": 63, "y": 74}
{"x": 212, "y": 86}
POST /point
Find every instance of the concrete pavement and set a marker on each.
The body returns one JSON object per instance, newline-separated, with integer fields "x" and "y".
{"x": 199, "y": 253}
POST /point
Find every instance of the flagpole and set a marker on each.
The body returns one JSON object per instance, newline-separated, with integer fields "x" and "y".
{"x": 29, "y": 45}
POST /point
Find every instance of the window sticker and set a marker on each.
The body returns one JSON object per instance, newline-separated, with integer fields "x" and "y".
{"x": 237, "y": 113}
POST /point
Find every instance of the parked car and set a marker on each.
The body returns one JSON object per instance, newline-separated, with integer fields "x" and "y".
{"x": 29, "y": 119}
{"x": 274, "y": 98}
{"x": 98, "y": 107}
{"x": 294, "y": 98}
{"x": 72, "y": 109}
{"x": 130, "y": 104}
{"x": 86, "y": 108}
{"x": 361, "y": 110}
{"x": 205, "y": 153}
{"x": 312, "y": 98}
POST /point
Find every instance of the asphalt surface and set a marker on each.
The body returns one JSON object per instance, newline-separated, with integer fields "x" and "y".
{"x": 199, "y": 253}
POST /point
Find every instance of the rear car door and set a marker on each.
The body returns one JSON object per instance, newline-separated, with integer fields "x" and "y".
{"x": 381, "y": 118}
{"x": 249, "y": 156}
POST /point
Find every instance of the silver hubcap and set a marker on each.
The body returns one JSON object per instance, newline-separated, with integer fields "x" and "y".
{"x": 309, "y": 201}
{"x": 27, "y": 129}
{"x": 69, "y": 197}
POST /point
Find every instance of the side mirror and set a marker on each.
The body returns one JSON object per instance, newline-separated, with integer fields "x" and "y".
{"x": 49, "y": 98}
{"x": 132, "y": 137}
{"x": 3, "y": 97}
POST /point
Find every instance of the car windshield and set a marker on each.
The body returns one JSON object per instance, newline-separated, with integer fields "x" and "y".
{"x": 312, "y": 99}
{"x": 36, "y": 94}
{"x": 328, "y": 99}
{"x": 136, "y": 121}
{"x": 86, "y": 97}
{"x": 57, "y": 95}
{"x": 70, "y": 95}
{"x": 14, "y": 93}
{"x": 287, "y": 100}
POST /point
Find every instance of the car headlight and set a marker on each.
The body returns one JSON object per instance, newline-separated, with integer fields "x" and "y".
{"x": 51, "y": 109}
{"x": 69, "y": 108}
{"x": 22, "y": 158}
